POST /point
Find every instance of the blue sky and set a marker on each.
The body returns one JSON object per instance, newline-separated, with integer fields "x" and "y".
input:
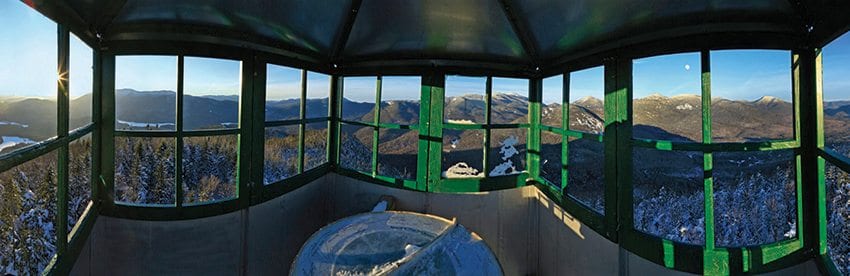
{"x": 28, "y": 55}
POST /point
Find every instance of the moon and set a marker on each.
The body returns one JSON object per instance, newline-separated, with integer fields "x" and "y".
{"x": 687, "y": 67}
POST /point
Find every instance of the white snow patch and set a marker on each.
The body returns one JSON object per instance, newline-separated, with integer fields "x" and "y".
{"x": 11, "y": 141}
{"x": 507, "y": 150}
{"x": 145, "y": 124}
{"x": 467, "y": 122}
{"x": 462, "y": 170}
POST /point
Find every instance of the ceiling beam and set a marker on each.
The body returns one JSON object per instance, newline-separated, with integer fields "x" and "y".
{"x": 521, "y": 31}
{"x": 342, "y": 37}
{"x": 108, "y": 11}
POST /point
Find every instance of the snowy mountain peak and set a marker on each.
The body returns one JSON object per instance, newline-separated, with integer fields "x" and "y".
{"x": 588, "y": 100}
{"x": 768, "y": 100}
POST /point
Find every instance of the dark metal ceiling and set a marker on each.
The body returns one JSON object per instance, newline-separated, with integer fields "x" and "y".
{"x": 511, "y": 35}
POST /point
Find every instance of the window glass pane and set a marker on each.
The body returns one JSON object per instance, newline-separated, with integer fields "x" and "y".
{"x": 318, "y": 88}
{"x": 551, "y": 158}
{"x": 397, "y": 153}
{"x": 553, "y": 99}
{"x": 510, "y": 101}
{"x": 464, "y": 99}
{"x": 315, "y": 145}
{"x": 586, "y": 165}
{"x": 668, "y": 98}
{"x": 751, "y": 96}
{"x": 144, "y": 170}
{"x": 836, "y": 94}
{"x": 355, "y": 149}
{"x": 80, "y": 83}
{"x": 838, "y": 216}
{"x": 754, "y": 197}
{"x": 668, "y": 194}
{"x": 507, "y": 151}
{"x": 27, "y": 77}
{"x": 145, "y": 92}
{"x": 209, "y": 168}
{"x": 280, "y": 153}
{"x": 587, "y": 93}
{"x": 27, "y": 213}
{"x": 210, "y": 93}
{"x": 400, "y": 100}
{"x": 463, "y": 153}
{"x": 358, "y": 102}
{"x": 79, "y": 178}
{"x": 283, "y": 93}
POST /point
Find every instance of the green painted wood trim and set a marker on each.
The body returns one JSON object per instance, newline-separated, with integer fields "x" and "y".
{"x": 424, "y": 141}
{"x": 62, "y": 115}
{"x": 333, "y": 120}
{"x": 178, "y": 156}
{"x": 249, "y": 162}
{"x": 715, "y": 147}
{"x": 96, "y": 128}
{"x": 302, "y": 127}
{"x": 618, "y": 149}
{"x": 107, "y": 127}
{"x": 535, "y": 98}
{"x": 714, "y": 261}
{"x": 488, "y": 108}
{"x": 376, "y": 120}
{"x": 436, "y": 84}
{"x": 565, "y": 125}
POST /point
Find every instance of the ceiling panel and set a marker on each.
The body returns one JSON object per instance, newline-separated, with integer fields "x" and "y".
{"x": 472, "y": 29}
{"x": 307, "y": 24}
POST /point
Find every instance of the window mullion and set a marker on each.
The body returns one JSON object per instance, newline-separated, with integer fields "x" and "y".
{"x": 302, "y": 126}
{"x": 62, "y": 131}
{"x": 488, "y": 107}
{"x": 178, "y": 155}
{"x": 376, "y": 121}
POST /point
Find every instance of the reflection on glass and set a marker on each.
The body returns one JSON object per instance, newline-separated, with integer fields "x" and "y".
{"x": 80, "y": 83}
{"x": 754, "y": 197}
{"x": 355, "y": 147}
{"x": 210, "y": 93}
{"x": 463, "y": 154}
{"x": 27, "y": 77}
{"x": 144, "y": 170}
{"x": 315, "y": 145}
{"x": 464, "y": 99}
{"x": 145, "y": 92}
{"x": 838, "y": 216}
{"x": 283, "y": 93}
{"x": 551, "y": 161}
{"x": 586, "y": 166}
{"x": 400, "y": 100}
{"x": 668, "y": 194}
{"x": 397, "y": 153}
{"x": 507, "y": 151}
{"x": 209, "y": 168}
{"x": 280, "y": 155}
{"x": 27, "y": 213}
{"x": 553, "y": 99}
{"x": 510, "y": 101}
{"x": 751, "y": 96}
{"x": 79, "y": 178}
{"x": 587, "y": 93}
{"x": 318, "y": 88}
{"x": 667, "y": 100}
{"x": 358, "y": 102}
